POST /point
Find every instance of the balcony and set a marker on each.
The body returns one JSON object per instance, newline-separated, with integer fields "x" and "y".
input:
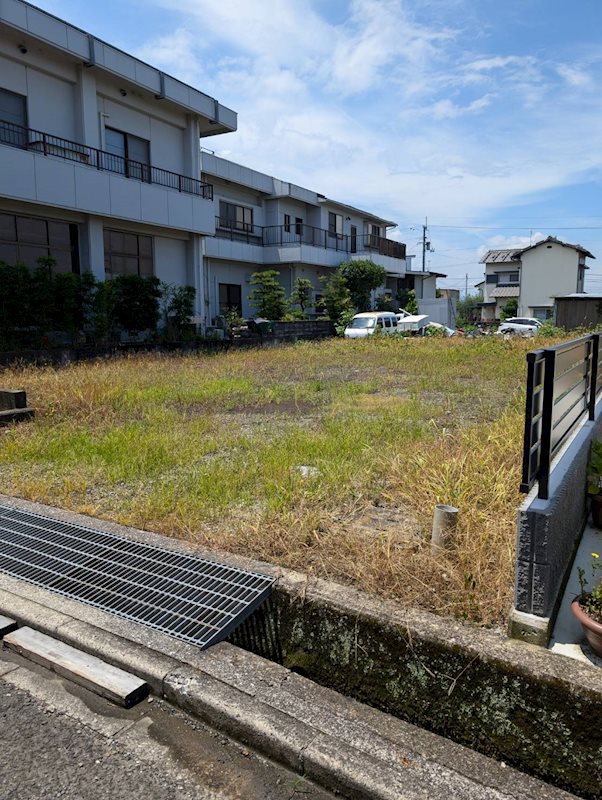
{"x": 100, "y": 160}
{"x": 296, "y": 234}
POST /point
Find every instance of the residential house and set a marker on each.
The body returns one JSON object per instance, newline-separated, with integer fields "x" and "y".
{"x": 265, "y": 223}
{"x": 99, "y": 155}
{"x": 533, "y": 276}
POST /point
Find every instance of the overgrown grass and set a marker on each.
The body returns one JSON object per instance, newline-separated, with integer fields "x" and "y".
{"x": 208, "y": 448}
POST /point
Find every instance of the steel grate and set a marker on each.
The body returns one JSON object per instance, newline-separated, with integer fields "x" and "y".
{"x": 188, "y": 597}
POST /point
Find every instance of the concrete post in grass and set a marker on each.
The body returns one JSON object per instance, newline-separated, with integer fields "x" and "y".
{"x": 445, "y": 520}
{"x": 13, "y": 406}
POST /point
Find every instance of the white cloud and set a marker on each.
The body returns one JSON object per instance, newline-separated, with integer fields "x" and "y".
{"x": 574, "y": 76}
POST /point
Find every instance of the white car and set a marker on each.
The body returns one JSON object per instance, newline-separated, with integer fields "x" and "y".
{"x": 368, "y": 322}
{"x": 439, "y": 327}
{"x": 523, "y": 326}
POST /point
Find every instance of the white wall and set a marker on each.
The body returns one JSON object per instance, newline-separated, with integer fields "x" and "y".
{"x": 170, "y": 260}
{"x": 547, "y": 271}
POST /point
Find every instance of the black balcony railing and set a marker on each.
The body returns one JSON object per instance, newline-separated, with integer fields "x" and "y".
{"x": 49, "y": 145}
{"x": 563, "y": 384}
{"x": 297, "y": 233}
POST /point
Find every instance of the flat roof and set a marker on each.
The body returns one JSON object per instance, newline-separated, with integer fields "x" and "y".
{"x": 93, "y": 52}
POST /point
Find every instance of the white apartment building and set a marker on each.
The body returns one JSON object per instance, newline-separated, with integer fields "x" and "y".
{"x": 533, "y": 275}
{"x": 99, "y": 155}
{"x": 101, "y": 168}
{"x": 266, "y": 223}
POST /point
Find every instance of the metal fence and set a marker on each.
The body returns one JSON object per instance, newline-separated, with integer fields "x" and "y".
{"x": 49, "y": 145}
{"x": 563, "y": 384}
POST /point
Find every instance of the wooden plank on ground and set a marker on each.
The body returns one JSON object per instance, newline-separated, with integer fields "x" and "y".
{"x": 7, "y": 625}
{"x": 89, "y": 671}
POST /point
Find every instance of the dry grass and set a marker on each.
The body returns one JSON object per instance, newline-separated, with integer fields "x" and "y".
{"x": 207, "y": 448}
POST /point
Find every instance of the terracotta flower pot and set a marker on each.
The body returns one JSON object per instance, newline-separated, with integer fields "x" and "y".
{"x": 591, "y": 628}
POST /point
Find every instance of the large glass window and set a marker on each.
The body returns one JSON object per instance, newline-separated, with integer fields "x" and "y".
{"x": 127, "y": 254}
{"x": 25, "y": 239}
{"x": 230, "y": 296}
{"x": 130, "y": 155}
{"x": 13, "y": 118}
{"x": 233, "y": 216}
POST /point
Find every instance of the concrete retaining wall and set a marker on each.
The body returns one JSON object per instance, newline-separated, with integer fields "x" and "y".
{"x": 518, "y": 703}
{"x": 548, "y": 534}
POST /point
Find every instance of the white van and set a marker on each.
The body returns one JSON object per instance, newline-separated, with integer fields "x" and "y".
{"x": 368, "y": 322}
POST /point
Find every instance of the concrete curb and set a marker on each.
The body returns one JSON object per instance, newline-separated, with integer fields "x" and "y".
{"x": 338, "y": 743}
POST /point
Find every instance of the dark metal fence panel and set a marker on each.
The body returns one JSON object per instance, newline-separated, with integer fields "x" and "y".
{"x": 49, "y": 145}
{"x": 563, "y": 384}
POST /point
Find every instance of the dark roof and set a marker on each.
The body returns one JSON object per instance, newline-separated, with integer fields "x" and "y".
{"x": 553, "y": 239}
{"x": 514, "y": 254}
{"x": 499, "y": 256}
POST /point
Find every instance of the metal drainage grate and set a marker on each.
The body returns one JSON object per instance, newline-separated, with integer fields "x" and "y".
{"x": 191, "y": 598}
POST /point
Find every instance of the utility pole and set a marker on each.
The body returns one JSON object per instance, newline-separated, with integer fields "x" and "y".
{"x": 425, "y": 245}
{"x": 466, "y": 287}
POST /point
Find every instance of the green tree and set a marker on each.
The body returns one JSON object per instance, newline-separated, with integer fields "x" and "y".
{"x": 509, "y": 309}
{"x": 267, "y": 295}
{"x": 302, "y": 293}
{"x": 407, "y": 300}
{"x": 336, "y": 298}
{"x": 467, "y": 310}
{"x": 179, "y": 309}
{"x": 362, "y": 276}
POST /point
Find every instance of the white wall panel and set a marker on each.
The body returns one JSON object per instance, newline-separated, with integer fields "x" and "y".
{"x": 170, "y": 260}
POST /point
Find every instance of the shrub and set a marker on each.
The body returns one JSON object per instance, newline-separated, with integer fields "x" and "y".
{"x": 267, "y": 295}
{"x": 301, "y": 295}
{"x": 336, "y": 298}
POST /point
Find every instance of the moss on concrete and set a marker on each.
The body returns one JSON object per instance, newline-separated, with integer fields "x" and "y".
{"x": 505, "y": 703}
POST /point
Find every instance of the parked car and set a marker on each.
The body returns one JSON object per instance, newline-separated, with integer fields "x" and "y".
{"x": 368, "y": 322}
{"x": 523, "y": 326}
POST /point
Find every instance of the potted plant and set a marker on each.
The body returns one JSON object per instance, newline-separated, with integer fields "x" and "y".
{"x": 587, "y": 607}
{"x": 594, "y": 483}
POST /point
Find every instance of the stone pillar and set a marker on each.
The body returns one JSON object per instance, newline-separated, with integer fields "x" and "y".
{"x": 195, "y": 276}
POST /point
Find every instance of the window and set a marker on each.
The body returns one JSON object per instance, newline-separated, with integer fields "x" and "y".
{"x": 353, "y": 239}
{"x": 25, "y": 239}
{"x": 287, "y": 223}
{"x": 507, "y": 277}
{"x": 130, "y": 155}
{"x": 542, "y": 313}
{"x": 13, "y": 117}
{"x": 388, "y": 322}
{"x": 298, "y": 226}
{"x": 375, "y": 230}
{"x": 230, "y": 296}
{"x": 233, "y": 216}
{"x": 335, "y": 225}
{"x": 491, "y": 278}
{"x": 127, "y": 254}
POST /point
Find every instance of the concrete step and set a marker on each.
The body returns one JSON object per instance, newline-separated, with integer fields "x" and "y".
{"x": 82, "y": 668}
{"x": 7, "y": 625}
{"x": 335, "y": 741}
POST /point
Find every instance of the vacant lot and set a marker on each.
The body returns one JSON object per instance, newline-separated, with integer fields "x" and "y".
{"x": 209, "y": 448}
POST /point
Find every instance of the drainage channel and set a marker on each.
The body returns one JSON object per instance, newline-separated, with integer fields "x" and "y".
{"x": 187, "y": 597}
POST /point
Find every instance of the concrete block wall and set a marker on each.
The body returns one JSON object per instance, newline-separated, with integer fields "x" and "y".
{"x": 548, "y": 532}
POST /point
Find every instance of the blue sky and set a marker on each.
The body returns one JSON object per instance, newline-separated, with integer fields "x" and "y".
{"x": 484, "y": 116}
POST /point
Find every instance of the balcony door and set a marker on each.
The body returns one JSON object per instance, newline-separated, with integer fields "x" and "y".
{"x": 129, "y": 154}
{"x": 353, "y": 238}
{"x": 13, "y": 118}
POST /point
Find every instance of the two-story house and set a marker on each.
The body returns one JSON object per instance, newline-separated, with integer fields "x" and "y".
{"x": 533, "y": 276}
{"x": 266, "y": 223}
{"x": 99, "y": 155}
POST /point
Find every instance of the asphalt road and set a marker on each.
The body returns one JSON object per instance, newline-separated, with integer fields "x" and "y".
{"x": 60, "y": 741}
